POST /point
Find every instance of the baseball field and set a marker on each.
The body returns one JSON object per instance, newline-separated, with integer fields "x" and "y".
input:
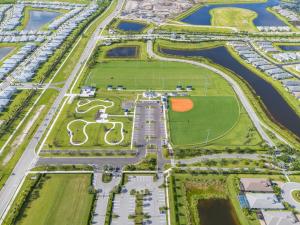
{"x": 200, "y": 119}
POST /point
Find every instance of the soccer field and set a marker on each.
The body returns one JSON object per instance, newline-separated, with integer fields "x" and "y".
{"x": 210, "y": 118}
{"x": 155, "y": 75}
{"x": 59, "y": 199}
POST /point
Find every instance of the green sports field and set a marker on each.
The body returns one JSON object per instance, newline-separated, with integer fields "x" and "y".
{"x": 59, "y": 199}
{"x": 156, "y": 75}
{"x": 211, "y": 117}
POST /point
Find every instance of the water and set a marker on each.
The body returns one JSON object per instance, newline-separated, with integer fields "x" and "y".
{"x": 209, "y": 208}
{"x": 131, "y": 26}
{"x": 123, "y": 52}
{"x": 290, "y": 47}
{"x": 264, "y": 18}
{"x": 4, "y": 51}
{"x": 273, "y": 101}
{"x": 38, "y": 18}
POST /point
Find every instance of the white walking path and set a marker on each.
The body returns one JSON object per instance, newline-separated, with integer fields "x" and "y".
{"x": 86, "y": 102}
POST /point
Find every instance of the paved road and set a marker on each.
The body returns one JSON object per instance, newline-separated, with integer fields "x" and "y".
{"x": 287, "y": 190}
{"x": 99, "y": 162}
{"x": 103, "y": 190}
{"x": 29, "y": 157}
{"x": 221, "y": 156}
{"x": 239, "y": 92}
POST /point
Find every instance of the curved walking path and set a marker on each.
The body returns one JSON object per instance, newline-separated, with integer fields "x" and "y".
{"x": 93, "y": 107}
{"x": 104, "y": 107}
{"x": 287, "y": 190}
{"x": 239, "y": 92}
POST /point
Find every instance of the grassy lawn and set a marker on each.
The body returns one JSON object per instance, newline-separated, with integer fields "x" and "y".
{"x": 296, "y": 195}
{"x": 211, "y": 117}
{"x": 187, "y": 191}
{"x": 234, "y": 17}
{"x": 143, "y": 75}
{"x": 59, "y": 137}
{"x": 58, "y": 199}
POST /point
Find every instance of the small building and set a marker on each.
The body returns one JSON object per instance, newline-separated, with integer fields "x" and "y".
{"x": 101, "y": 116}
{"x": 87, "y": 91}
{"x": 255, "y": 185}
{"x": 120, "y": 88}
{"x": 109, "y": 87}
{"x": 178, "y": 88}
{"x": 279, "y": 218}
{"x": 189, "y": 88}
{"x": 263, "y": 201}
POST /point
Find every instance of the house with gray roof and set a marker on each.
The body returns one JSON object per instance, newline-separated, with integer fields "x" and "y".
{"x": 263, "y": 201}
{"x": 279, "y": 218}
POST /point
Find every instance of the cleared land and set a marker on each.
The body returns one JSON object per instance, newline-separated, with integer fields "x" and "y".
{"x": 234, "y": 17}
{"x": 211, "y": 117}
{"x": 156, "y": 75}
{"x": 58, "y": 199}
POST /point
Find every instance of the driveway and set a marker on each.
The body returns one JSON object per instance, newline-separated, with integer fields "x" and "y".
{"x": 287, "y": 190}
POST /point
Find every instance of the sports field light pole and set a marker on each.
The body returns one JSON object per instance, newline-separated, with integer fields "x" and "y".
{"x": 208, "y": 132}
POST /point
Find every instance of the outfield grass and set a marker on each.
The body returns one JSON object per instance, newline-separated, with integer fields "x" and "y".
{"x": 211, "y": 117}
{"x": 157, "y": 75}
{"x": 58, "y": 199}
{"x": 234, "y": 17}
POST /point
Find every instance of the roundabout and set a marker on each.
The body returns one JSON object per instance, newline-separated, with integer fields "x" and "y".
{"x": 288, "y": 194}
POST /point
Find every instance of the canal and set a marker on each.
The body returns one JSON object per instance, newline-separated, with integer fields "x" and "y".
{"x": 273, "y": 101}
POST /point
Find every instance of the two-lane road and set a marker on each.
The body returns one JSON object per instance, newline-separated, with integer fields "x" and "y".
{"x": 29, "y": 157}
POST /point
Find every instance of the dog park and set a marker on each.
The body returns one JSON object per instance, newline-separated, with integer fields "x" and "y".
{"x": 92, "y": 123}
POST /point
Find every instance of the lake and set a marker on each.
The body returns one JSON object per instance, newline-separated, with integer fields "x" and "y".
{"x": 289, "y": 47}
{"x": 38, "y": 18}
{"x": 264, "y": 18}
{"x": 131, "y": 26}
{"x": 217, "y": 212}
{"x": 273, "y": 101}
{"x": 123, "y": 52}
{"x": 4, "y": 51}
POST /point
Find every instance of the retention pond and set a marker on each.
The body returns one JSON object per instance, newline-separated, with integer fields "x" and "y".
{"x": 202, "y": 16}
{"x": 290, "y": 47}
{"x": 4, "y": 51}
{"x": 131, "y": 26}
{"x": 123, "y": 52}
{"x": 217, "y": 212}
{"x": 38, "y": 18}
{"x": 273, "y": 101}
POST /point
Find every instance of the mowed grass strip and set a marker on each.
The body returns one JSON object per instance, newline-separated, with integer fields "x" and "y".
{"x": 234, "y": 17}
{"x": 211, "y": 117}
{"x": 156, "y": 75}
{"x": 59, "y": 199}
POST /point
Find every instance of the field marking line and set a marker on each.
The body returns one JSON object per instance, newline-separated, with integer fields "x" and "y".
{"x": 37, "y": 100}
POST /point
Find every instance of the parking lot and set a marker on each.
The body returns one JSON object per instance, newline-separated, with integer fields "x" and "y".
{"x": 124, "y": 203}
{"x": 149, "y": 127}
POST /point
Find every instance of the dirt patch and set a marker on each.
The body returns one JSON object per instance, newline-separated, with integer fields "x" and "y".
{"x": 181, "y": 104}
